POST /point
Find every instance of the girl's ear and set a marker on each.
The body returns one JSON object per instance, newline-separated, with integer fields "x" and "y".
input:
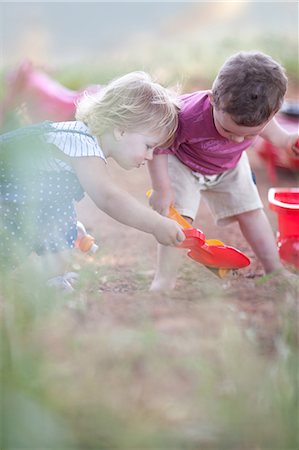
{"x": 118, "y": 134}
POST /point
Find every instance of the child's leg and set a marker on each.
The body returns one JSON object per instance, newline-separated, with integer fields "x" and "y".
{"x": 53, "y": 267}
{"x": 257, "y": 230}
{"x": 54, "y": 264}
{"x": 186, "y": 192}
{"x": 235, "y": 197}
{"x": 46, "y": 266}
{"x": 168, "y": 262}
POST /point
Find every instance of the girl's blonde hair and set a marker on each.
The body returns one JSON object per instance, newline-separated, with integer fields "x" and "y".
{"x": 133, "y": 102}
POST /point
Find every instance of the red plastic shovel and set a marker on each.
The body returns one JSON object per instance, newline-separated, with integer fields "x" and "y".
{"x": 214, "y": 254}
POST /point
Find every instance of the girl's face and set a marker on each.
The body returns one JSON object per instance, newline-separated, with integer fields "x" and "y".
{"x": 228, "y": 129}
{"x": 132, "y": 150}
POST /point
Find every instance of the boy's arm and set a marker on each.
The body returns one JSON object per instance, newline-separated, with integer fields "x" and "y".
{"x": 281, "y": 138}
{"x": 162, "y": 196}
{"x": 119, "y": 204}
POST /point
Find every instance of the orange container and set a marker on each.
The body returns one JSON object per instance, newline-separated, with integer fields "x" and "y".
{"x": 85, "y": 242}
{"x": 285, "y": 202}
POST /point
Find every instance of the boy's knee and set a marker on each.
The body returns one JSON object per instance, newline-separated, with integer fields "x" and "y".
{"x": 249, "y": 215}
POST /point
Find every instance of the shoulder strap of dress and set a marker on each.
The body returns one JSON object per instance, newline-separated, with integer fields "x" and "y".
{"x": 62, "y": 130}
{"x": 30, "y": 130}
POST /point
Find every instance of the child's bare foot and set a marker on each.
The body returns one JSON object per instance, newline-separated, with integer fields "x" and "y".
{"x": 282, "y": 278}
{"x": 63, "y": 283}
{"x": 162, "y": 285}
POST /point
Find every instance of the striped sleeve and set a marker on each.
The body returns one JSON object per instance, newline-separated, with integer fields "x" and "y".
{"x": 74, "y": 139}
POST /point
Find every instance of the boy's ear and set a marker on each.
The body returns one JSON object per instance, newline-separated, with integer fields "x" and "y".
{"x": 210, "y": 94}
{"x": 118, "y": 133}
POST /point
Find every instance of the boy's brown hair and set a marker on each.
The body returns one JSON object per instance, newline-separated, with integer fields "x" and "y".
{"x": 250, "y": 86}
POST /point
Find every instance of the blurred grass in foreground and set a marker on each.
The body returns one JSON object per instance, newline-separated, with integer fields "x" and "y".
{"x": 132, "y": 371}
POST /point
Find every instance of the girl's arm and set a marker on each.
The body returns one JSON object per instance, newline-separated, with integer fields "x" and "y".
{"x": 118, "y": 204}
{"x": 162, "y": 196}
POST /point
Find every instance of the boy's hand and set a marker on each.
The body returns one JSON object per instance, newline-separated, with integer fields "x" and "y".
{"x": 295, "y": 147}
{"x": 161, "y": 200}
{"x": 292, "y": 150}
{"x": 168, "y": 232}
{"x": 281, "y": 138}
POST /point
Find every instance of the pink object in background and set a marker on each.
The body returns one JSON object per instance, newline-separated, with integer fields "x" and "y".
{"x": 42, "y": 97}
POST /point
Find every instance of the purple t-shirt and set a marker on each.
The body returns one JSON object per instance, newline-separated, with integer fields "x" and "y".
{"x": 198, "y": 144}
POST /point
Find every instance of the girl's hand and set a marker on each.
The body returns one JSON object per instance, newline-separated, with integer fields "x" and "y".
{"x": 161, "y": 200}
{"x": 168, "y": 232}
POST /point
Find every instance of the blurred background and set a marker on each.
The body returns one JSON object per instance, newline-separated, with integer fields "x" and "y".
{"x": 179, "y": 42}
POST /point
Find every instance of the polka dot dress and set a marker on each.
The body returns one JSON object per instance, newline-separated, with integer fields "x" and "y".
{"x": 37, "y": 202}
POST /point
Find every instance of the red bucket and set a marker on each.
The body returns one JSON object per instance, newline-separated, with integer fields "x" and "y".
{"x": 285, "y": 202}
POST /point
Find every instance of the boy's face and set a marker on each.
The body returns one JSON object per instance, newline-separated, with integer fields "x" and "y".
{"x": 131, "y": 150}
{"x": 228, "y": 129}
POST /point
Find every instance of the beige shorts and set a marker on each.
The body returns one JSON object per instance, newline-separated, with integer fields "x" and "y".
{"x": 227, "y": 194}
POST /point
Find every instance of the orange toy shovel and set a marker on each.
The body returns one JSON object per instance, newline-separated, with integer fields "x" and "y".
{"x": 214, "y": 254}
